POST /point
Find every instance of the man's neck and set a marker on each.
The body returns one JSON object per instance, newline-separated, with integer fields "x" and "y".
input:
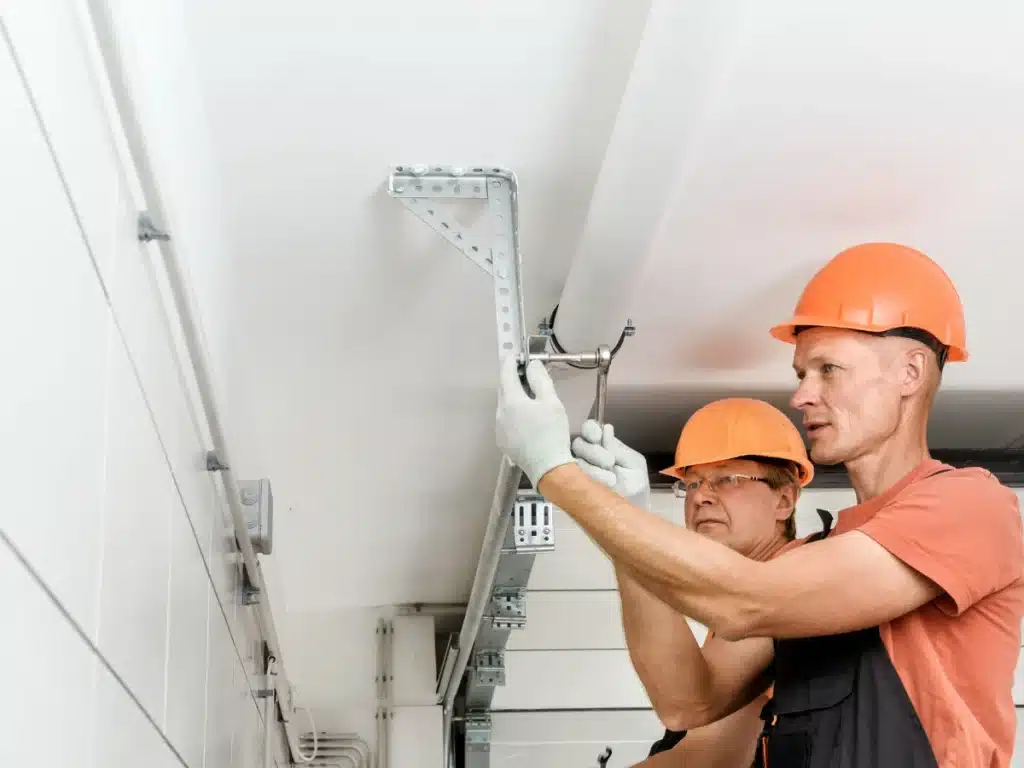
{"x": 767, "y": 550}
{"x": 874, "y": 473}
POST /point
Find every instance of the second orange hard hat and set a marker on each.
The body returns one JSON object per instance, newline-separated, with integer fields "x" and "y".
{"x": 739, "y": 427}
{"x": 879, "y": 287}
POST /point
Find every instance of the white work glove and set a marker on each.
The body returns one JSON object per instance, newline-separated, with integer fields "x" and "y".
{"x": 608, "y": 460}
{"x": 532, "y": 432}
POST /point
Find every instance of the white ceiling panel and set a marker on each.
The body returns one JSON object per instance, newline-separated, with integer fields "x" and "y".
{"x": 356, "y": 349}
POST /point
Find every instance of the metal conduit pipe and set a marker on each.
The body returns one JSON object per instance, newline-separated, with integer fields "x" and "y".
{"x": 505, "y": 490}
{"x": 99, "y": 31}
{"x": 335, "y": 747}
{"x": 269, "y": 704}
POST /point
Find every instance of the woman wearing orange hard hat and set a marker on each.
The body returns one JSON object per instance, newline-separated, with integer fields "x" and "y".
{"x": 892, "y": 640}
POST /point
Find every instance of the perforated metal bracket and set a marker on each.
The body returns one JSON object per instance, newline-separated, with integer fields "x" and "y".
{"x": 489, "y": 667}
{"x": 492, "y": 243}
{"x": 533, "y": 524}
{"x": 508, "y": 608}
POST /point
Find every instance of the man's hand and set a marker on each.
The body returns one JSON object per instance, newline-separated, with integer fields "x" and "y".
{"x": 608, "y": 460}
{"x": 532, "y": 432}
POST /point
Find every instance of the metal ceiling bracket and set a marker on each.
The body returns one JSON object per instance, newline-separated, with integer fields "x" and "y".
{"x": 492, "y": 243}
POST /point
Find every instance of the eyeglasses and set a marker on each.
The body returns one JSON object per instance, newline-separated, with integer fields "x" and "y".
{"x": 717, "y": 484}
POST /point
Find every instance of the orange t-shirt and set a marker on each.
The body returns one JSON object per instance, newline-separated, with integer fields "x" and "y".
{"x": 956, "y": 655}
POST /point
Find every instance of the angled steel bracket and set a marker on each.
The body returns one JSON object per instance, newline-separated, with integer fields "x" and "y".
{"x": 492, "y": 243}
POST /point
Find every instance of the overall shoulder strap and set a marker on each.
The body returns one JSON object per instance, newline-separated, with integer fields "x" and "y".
{"x": 826, "y": 526}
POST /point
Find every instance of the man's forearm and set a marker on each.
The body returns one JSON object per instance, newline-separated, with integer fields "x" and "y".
{"x": 664, "y": 652}
{"x": 702, "y": 578}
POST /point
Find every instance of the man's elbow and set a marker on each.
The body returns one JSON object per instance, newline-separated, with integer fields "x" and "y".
{"x": 683, "y": 717}
{"x": 739, "y": 621}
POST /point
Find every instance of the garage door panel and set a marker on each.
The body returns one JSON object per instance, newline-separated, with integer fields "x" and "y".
{"x": 567, "y": 620}
{"x": 621, "y": 725}
{"x": 570, "y": 680}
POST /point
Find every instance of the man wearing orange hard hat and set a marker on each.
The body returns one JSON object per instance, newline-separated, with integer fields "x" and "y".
{"x": 892, "y": 640}
{"x": 739, "y": 466}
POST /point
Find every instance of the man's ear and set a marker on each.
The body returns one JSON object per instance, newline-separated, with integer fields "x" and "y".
{"x": 914, "y": 373}
{"x": 787, "y": 502}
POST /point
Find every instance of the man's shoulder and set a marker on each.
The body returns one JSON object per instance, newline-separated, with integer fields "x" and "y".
{"x": 975, "y": 488}
{"x": 791, "y": 545}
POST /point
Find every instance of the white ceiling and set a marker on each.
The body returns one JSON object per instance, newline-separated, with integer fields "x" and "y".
{"x": 752, "y": 142}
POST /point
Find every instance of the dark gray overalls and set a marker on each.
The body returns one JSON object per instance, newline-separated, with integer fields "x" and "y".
{"x": 839, "y": 703}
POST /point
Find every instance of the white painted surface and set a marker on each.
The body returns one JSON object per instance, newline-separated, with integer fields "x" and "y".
{"x": 121, "y": 640}
{"x": 556, "y": 739}
{"x": 414, "y": 668}
{"x": 349, "y": 375}
{"x": 367, "y": 394}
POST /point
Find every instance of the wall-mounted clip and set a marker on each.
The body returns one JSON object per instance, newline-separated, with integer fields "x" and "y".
{"x": 147, "y": 231}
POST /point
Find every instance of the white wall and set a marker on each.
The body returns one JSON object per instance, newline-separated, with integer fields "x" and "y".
{"x": 124, "y": 641}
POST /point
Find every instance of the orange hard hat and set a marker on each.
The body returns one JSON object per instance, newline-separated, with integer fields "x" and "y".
{"x": 740, "y": 427}
{"x": 878, "y": 288}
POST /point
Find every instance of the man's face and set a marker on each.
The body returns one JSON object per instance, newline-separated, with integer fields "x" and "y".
{"x": 848, "y": 393}
{"x": 741, "y": 513}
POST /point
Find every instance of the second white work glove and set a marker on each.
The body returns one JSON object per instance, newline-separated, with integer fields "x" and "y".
{"x": 608, "y": 460}
{"x": 532, "y": 432}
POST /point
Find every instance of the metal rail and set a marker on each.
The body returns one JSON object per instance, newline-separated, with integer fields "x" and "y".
{"x": 124, "y": 120}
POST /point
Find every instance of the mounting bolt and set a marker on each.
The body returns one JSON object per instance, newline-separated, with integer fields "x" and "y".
{"x": 630, "y": 329}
